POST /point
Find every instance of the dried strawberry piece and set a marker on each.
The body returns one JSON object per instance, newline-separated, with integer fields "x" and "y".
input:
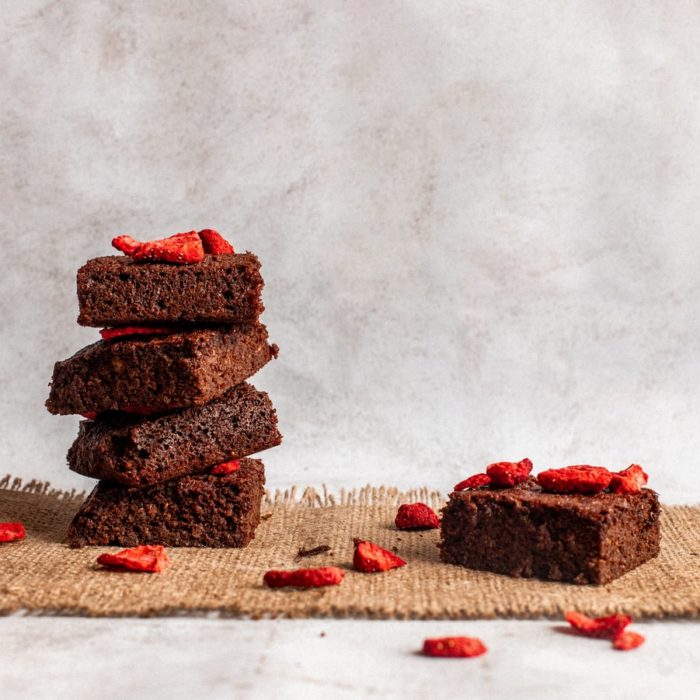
{"x": 630, "y": 480}
{"x": 144, "y": 557}
{"x": 126, "y": 244}
{"x": 90, "y": 415}
{"x": 370, "y": 558}
{"x": 581, "y": 478}
{"x": 182, "y": 248}
{"x": 602, "y": 627}
{"x": 454, "y": 647}
{"x": 507, "y": 474}
{"x": 226, "y": 467}
{"x": 628, "y": 640}
{"x": 214, "y": 243}
{"x": 473, "y": 482}
{"x": 416, "y": 516}
{"x": 9, "y": 532}
{"x": 114, "y": 333}
{"x": 304, "y": 578}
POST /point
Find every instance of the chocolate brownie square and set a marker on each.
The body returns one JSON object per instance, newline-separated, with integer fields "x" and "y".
{"x": 158, "y": 373}
{"x": 526, "y": 532}
{"x": 192, "y": 511}
{"x": 140, "y": 451}
{"x": 119, "y": 291}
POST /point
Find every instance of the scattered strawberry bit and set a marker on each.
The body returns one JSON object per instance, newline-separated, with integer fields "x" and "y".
{"x": 416, "y": 516}
{"x": 581, "y": 478}
{"x": 126, "y": 244}
{"x": 628, "y": 640}
{"x": 214, "y": 243}
{"x": 473, "y": 482}
{"x": 630, "y": 480}
{"x": 9, "y": 532}
{"x": 507, "y": 474}
{"x": 314, "y": 551}
{"x": 145, "y": 557}
{"x": 304, "y": 578}
{"x": 226, "y": 467}
{"x": 181, "y": 248}
{"x": 611, "y": 627}
{"x": 90, "y": 415}
{"x": 370, "y": 558}
{"x": 454, "y": 647}
{"x": 128, "y": 331}
{"x": 601, "y": 627}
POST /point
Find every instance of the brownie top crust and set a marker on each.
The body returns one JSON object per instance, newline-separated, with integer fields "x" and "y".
{"x": 530, "y": 493}
{"x": 117, "y": 290}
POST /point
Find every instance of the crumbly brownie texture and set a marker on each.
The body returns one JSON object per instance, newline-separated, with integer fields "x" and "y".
{"x": 118, "y": 291}
{"x": 525, "y": 532}
{"x": 158, "y": 372}
{"x": 193, "y": 511}
{"x": 141, "y": 451}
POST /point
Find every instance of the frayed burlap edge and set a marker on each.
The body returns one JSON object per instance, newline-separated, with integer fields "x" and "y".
{"x": 307, "y": 497}
{"x": 41, "y": 575}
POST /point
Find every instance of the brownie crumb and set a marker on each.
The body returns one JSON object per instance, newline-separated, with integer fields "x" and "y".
{"x": 321, "y": 549}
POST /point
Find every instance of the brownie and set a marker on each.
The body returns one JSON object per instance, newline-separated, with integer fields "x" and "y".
{"x": 192, "y": 511}
{"x": 119, "y": 291}
{"x": 141, "y": 451}
{"x": 160, "y": 373}
{"x": 526, "y": 532}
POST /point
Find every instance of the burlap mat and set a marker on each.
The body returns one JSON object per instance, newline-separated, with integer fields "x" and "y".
{"x": 43, "y": 575}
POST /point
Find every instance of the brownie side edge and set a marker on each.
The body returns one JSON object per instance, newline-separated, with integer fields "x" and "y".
{"x": 192, "y": 511}
{"x": 143, "y": 451}
{"x": 117, "y": 291}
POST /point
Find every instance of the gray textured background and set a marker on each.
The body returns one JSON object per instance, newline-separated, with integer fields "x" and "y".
{"x": 477, "y": 221}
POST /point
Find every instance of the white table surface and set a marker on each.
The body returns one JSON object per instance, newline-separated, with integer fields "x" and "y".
{"x": 222, "y": 658}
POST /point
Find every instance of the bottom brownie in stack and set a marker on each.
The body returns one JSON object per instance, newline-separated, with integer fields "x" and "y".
{"x": 191, "y": 511}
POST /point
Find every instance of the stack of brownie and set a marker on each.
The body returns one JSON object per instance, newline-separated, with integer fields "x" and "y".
{"x": 170, "y": 415}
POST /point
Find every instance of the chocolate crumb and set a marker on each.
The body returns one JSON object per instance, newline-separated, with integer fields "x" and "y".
{"x": 321, "y": 549}
{"x": 267, "y": 516}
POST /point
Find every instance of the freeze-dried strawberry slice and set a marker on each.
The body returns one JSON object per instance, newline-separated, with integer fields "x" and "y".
{"x": 454, "y": 647}
{"x": 226, "y": 467}
{"x": 507, "y": 474}
{"x": 473, "y": 482}
{"x": 581, "y": 478}
{"x": 370, "y": 558}
{"x": 9, "y": 532}
{"x": 145, "y": 557}
{"x": 214, "y": 243}
{"x": 128, "y": 331}
{"x": 416, "y": 516}
{"x": 126, "y": 244}
{"x": 628, "y": 640}
{"x": 601, "y": 627}
{"x": 630, "y": 480}
{"x": 181, "y": 248}
{"x": 304, "y": 578}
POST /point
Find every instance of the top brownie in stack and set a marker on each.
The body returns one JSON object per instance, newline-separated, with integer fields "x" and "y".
{"x": 119, "y": 291}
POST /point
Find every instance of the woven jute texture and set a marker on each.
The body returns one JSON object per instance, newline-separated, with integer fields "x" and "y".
{"x": 42, "y": 575}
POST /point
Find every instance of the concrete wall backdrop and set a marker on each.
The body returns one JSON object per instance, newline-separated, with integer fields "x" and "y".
{"x": 477, "y": 220}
